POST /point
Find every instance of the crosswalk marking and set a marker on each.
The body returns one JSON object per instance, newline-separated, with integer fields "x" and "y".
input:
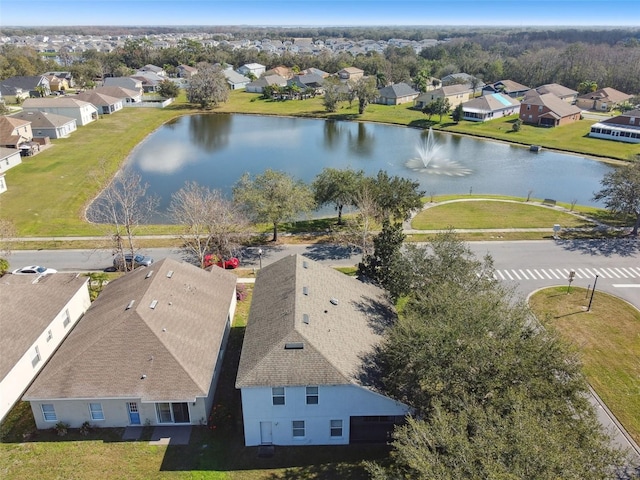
{"x": 562, "y": 274}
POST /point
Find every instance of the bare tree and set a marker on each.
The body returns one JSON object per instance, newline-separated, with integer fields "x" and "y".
{"x": 212, "y": 223}
{"x": 358, "y": 233}
{"x": 124, "y": 205}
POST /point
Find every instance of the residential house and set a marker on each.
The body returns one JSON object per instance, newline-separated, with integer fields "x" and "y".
{"x": 350, "y": 73}
{"x": 38, "y": 312}
{"x": 83, "y": 112}
{"x": 235, "y": 80}
{"x": 396, "y": 94}
{"x": 14, "y": 132}
{"x": 309, "y": 81}
{"x": 150, "y": 81}
{"x": 186, "y": 71}
{"x": 24, "y": 87}
{"x": 60, "y": 81}
{"x": 622, "y": 128}
{"x": 127, "y": 96}
{"x": 547, "y": 110}
{"x": 148, "y": 352}
{"x": 564, "y": 93}
{"x": 257, "y": 86}
{"x": 105, "y": 104}
{"x": 57, "y": 84}
{"x": 285, "y": 72}
{"x": 125, "y": 82}
{"x": 3, "y": 182}
{"x": 303, "y": 368}
{"x": 472, "y": 83}
{"x": 254, "y": 69}
{"x": 48, "y": 125}
{"x": 490, "y": 107}
{"x": 315, "y": 71}
{"x": 9, "y": 158}
{"x": 602, "y": 100}
{"x": 159, "y": 71}
{"x": 456, "y": 94}
{"x": 506, "y": 87}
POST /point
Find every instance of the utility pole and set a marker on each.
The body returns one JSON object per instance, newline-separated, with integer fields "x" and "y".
{"x": 592, "y": 292}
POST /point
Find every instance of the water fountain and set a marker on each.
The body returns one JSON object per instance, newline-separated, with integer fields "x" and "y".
{"x": 429, "y": 162}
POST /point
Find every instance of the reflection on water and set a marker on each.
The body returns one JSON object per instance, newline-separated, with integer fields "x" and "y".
{"x": 216, "y": 149}
{"x": 210, "y": 132}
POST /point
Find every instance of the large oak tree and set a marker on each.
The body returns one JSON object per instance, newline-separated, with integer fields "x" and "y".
{"x": 273, "y": 197}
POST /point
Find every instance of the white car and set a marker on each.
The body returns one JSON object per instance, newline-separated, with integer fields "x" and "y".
{"x": 34, "y": 270}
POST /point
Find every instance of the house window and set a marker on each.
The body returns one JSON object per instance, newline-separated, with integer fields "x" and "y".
{"x": 67, "y": 318}
{"x": 312, "y": 395}
{"x": 298, "y": 428}
{"x": 336, "y": 428}
{"x": 277, "y": 394}
{"x": 49, "y": 335}
{"x": 48, "y": 412}
{"x": 173, "y": 412}
{"x": 95, "y": 409}
{"x": 35, "y": 356}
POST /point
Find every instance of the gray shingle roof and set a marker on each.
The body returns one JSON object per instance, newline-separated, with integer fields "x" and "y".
{"x": 175, "y": 344}
{"x": 43, "y": 119}
{"x": 292, "y": 304}
{"x": 397, "y": 90}
{"x": 489, "y": 103}
{"x": 28, "y": 304}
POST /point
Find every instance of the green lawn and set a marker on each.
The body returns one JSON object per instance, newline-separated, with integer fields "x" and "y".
{"x": 479, "y": 214}
{"x": 607, "y": 339}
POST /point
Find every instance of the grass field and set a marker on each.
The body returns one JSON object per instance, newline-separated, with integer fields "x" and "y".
{"x": 608, "y": 341}
{"x": 483, "y": 214}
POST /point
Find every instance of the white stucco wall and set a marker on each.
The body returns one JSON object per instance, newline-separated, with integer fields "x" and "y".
{"x": 10, "y": 161}
{"x": 338, "y": 402}
{"x": 21, "y": 375}
{"x": 115, "y": 410}
{"x": 83, "y": 115}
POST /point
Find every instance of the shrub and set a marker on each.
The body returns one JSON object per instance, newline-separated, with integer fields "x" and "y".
{"x": 241, "y": 291}
{"x": 4, "y": 266}
{"x": 85, "y": 429}
{"x": 61, "y": 428}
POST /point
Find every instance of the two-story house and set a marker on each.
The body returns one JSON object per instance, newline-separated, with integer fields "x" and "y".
{"x": 303, "y": 372}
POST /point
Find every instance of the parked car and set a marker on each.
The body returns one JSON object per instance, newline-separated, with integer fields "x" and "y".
{"x": 132, "y": 261}
{"x": 212, "y": 259}
{"x": 34, "y": 270}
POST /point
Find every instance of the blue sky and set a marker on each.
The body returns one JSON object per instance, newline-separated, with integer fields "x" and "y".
{"x": 320, "y": 12}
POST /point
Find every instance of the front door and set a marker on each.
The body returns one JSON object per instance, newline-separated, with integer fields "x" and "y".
{"x": 134, "y": 415}
{"x": 266, "y": 437}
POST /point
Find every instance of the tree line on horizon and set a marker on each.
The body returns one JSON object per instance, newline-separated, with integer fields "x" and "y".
{"x": 603, "y": 57}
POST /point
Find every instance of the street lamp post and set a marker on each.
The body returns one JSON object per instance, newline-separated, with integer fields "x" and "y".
{"x": 592, "y": 292}
{"x": 260, "y": 256}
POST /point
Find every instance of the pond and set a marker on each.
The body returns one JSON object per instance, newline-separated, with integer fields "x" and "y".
{"x": 216, "y": 149}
